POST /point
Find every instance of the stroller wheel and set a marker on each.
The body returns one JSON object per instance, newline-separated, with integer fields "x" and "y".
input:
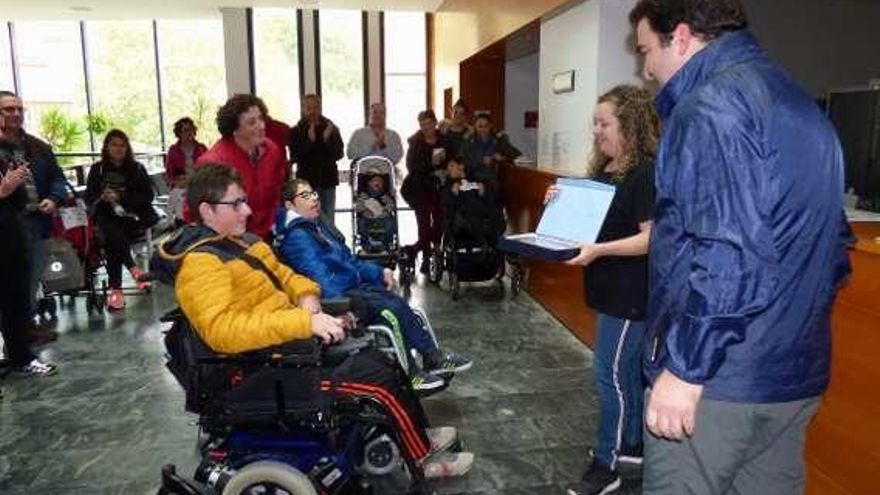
{"x": 269, "y": 477}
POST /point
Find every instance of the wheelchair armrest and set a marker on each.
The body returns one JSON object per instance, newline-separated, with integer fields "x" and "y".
{"x": 304, "y": 352}
{"x": 336, "y": 306}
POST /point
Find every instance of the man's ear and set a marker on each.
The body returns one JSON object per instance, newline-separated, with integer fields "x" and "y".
{"x": 288, "y": 204}
{"x": 682, "y": 37}
{"x": 206, "y": 211}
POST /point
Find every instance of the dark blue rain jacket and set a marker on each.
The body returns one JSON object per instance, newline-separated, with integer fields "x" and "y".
{"x": 749, "y": 239}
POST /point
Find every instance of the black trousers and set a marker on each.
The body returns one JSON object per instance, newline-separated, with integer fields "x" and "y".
{"x": 369, "y": 374}
{"x": 14, "y": 295}
{"x": 117, "y": 234}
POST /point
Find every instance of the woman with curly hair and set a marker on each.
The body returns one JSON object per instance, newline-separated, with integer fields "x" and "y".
{"x": 625, "y": 133}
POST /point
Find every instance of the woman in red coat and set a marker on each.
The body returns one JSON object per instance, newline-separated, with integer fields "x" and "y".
{"x": 183, "y": 154}
{"x": 260, "y": 163}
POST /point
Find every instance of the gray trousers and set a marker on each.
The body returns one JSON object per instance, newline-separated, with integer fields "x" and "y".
{"x": 737, "y": 449}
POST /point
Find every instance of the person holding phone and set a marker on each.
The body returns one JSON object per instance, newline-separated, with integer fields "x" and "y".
{"x": 14, "y": 266}
{"x": 626, "y": 131}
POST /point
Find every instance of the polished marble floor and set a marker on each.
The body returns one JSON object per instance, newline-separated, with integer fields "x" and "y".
{"x": 114, "y": 416}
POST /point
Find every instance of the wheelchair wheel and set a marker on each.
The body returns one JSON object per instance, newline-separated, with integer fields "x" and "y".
{"x": 435, "y": 267}
{"x": 269, "y": 478}
{"x": 381, "y": 456}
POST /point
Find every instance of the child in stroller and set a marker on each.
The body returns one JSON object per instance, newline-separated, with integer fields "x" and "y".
{"x": 474, "y": 220}
{"x": 375, "y": 209}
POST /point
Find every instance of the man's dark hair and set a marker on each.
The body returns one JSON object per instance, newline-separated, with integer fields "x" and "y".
{"x": 708, "y": 19}
{"x": 208, "y": 184}
{"x": 178, "y": 126}
{"x": 459, "y": 103}
{"x": 227, "y": 115}
{"x": 6, "y": 93}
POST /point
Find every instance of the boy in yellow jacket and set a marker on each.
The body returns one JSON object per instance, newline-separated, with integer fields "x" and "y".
{"x": 239, "y": 298}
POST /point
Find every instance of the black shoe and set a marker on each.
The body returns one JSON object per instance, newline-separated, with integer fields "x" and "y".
{"x": 598, "y": 480}
{"x": 631, "y": 454}
{"x": 425, "y": 267}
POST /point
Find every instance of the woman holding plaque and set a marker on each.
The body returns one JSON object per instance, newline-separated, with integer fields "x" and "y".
{"x": 626, "y": 131}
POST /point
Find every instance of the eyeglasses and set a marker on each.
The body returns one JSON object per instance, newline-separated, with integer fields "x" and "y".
{"x": 235, "y": 204}
{"x": 307, "y": 195}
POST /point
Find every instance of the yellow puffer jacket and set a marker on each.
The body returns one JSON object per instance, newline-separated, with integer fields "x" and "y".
{"x": 236, "y": 307}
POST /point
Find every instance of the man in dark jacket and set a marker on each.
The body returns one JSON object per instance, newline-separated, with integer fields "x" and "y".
{"x": 47, "y": 189}
{"x": 315, "y": 145}
{"x": 745, "y": 256}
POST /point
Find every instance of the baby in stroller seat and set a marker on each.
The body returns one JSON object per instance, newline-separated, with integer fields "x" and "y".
{"x": 239, "y": 298}
{"x": 472, "y": 205}
{"x": 375, "y": 215}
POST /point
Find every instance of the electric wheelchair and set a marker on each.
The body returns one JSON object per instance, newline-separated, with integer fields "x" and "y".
{"x": 270, "y": 430}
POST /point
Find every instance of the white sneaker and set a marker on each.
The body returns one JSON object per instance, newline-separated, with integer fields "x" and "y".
{"x": 448, "y": 465}
{"x": 38, "y": 368}
{"x": 441, "y": 438}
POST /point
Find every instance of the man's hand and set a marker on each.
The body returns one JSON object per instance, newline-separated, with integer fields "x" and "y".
{"x": 672, "y": 407}
{"x": 589, "y": 253}
{"x": 456, "y": 186}
{"x": 328, "y": 131}
{"x": 481, "y": 188}
{"x": 311, "y": 303}
{"x": 327, "y": 328}
{"x": 13, "y": 180}
{"x": 388, "y": 277}
{"x": 48, "y": 206}
{"x": 498, "y": 157}
{"x": 312, "y": 134}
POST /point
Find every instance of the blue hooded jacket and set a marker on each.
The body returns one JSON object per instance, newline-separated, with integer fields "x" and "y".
{"x": 312, "y": 249}
{"x": 749, "y": 240}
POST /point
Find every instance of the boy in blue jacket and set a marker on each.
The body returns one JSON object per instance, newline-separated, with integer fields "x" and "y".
{"x": 319, "y": 252}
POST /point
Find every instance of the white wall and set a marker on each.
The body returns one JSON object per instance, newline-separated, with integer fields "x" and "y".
{"x": 521, "y": 95}
{"x": 590, "y": 38}
{"x": 823, "y": 44}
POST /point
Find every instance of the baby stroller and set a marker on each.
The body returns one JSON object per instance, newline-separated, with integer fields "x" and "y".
{"x": 474, "y": 221}
{"x": 270, "y": 431}
{"x": 374, "y": 211}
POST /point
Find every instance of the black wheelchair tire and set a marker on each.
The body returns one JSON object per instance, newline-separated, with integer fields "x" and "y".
{"x": 281, "y": 475}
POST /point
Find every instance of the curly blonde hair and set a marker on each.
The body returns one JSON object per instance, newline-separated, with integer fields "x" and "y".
{"x": 639, "y": 129}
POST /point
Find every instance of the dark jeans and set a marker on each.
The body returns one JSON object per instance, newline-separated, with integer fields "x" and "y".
{"x": 369, "y": 374}
{"x": 378, "y": 302}
{"x": 117, "y": 234}
{"x": 618, "y": 367}
{"x": 429, "y": 219}
{"x": 327, "y": 197}
{"x": 14, "y": 288}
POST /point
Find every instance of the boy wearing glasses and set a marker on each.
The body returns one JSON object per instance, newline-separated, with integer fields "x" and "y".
{"x": 240, "y": 298}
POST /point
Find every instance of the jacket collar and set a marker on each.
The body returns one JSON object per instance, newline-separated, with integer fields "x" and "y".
{"x": 728, "y": 50}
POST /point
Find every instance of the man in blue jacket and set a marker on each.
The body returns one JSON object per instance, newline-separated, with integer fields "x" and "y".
{"x": 747, "y": 252}
{"x": 46, "y": 190}
{"x": 319, "y": 252}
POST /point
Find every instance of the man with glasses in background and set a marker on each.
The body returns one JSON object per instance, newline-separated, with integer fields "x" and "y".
{"x": 45, "y": 190}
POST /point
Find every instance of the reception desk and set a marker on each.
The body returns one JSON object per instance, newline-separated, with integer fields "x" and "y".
{"x": 843, "y": 445}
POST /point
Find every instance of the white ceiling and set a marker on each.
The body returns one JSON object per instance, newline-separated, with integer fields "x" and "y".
{"x": 169, "y": 9}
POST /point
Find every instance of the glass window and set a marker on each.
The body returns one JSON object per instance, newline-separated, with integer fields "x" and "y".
{"x": 53, "y": 83}
{"x": 342, "y": 70}
{"x": 276, "y": 63}
{"x": 193, "y": 75}
{"x": 405, "y": 70}
{"x": 123, "y": 80}
{"x": 6, "y": 81}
